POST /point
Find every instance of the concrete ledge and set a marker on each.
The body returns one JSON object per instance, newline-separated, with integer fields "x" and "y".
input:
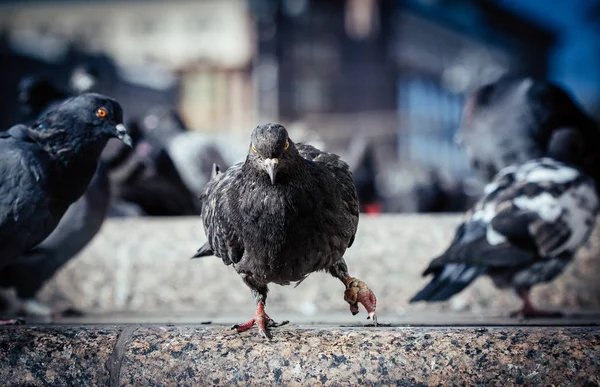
{"x": 133, "y": 355}
{"x": 143, "y": 265}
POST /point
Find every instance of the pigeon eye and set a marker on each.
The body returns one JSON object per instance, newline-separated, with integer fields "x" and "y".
{"x": 101, "y": 113}
{"x": 253, "y": 148}
{"x": 287, "y": 144}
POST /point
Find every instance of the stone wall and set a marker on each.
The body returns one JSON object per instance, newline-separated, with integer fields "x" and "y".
{"x": 143, "y": 265}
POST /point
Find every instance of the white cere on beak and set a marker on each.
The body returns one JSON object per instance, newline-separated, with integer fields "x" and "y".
{"x": 271, "y": 168}
{"x": 123, "y": 135}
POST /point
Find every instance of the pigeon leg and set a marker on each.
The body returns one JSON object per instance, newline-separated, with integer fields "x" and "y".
{"x": 356, "y": 290}
{"x": 530, "y": 311}
{"x": 260, "y": 319}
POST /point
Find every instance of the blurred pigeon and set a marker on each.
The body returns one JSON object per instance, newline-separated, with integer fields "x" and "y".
{"x": 46, "y": 167}
{"x": 524, "y": 231}
{"x": 365, "y": 173}
{"x": 161, "y": 125}
{"x": 192, "y": 153}
{"x": 36, "y": 96}
{"x": 146, "y": 177}
{"x": 511, "y": 121}
{"x": 443, "y": 193}
{"x": 76, "y": 229}
{"x": 287, "y": 211}
{"x": 83, "y": 78}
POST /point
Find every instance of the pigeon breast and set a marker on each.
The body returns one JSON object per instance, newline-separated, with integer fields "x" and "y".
{"x": 282, "y": 232}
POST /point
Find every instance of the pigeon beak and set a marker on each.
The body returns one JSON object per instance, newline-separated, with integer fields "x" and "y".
{"x": 123, "y": 135}
{"x": 271, "y": 168}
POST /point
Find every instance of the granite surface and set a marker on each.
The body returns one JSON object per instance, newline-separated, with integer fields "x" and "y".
{"x": 55, "y": 356}
{"x": 195, "y": 355}
{"x": 143, "y": 265}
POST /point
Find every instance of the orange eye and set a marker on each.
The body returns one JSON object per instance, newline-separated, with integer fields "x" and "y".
{"x": 253, "y": 148}
{"x": 287, "y": 144}
{"x": 101, "y": 113}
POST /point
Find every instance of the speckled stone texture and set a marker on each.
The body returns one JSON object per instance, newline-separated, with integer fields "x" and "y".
{"x": 193, "y": 356}
{"x": 55, "y": 356}
{"x": 144, "y": 265}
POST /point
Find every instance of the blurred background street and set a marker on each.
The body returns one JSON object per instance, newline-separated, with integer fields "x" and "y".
{"x": 382, "y": 83}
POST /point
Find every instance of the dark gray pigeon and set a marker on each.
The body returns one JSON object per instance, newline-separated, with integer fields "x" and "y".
{"x": 46, "y": 167}
{"x": 512, "y": 120}
{"x": 524, "y": 231}
{"x": 287, "y": 211}
{"x": 76, "y": 229}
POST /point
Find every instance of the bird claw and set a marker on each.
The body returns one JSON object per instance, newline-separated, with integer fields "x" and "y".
{"x": 273, "y": 324}
{"x": 358, "y": 292}
{"x": 262, "y": 321}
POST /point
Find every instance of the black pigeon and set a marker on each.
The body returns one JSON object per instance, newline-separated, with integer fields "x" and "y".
{"x": 287, "y": 211}
{"x": 46, "y": 167}
{"x": 76, "y": 229}
{"x": 512, "y": 120}
{"x": 524, "y": 231}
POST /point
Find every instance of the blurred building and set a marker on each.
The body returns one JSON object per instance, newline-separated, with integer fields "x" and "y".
{"x": 204, "y": 48}
{"x": 391, "y": 72}
{"x": 593, "y": 13}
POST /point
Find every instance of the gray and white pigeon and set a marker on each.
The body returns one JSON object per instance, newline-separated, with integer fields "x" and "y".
{"x": 512, "y": 120}
{"x": 285, "y": 212}
{"x": 524, "y": 231}
{"x": 193, "y": 153}
{"x": 46, "y": 167}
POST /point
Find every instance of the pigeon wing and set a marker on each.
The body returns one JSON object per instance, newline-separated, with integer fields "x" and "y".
{"x": 219, "y": 209}
{"x": 343, "y": 177}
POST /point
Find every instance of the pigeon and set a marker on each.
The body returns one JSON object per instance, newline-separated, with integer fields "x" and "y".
{"x": 36, "y": 96}
{"x": 146, "y": 176}
{"x": 365, "y": 178}
{"x": 285, "y": 212}
{"x": 193, "y": 153}
{"x": 525, "y": 230}
{"x": 84, "y": 78}
{"x": 46, "y": 167}
{"x": 511, "y": 121}
{"x": 78, "y": 226}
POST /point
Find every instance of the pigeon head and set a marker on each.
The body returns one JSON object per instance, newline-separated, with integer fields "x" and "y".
{"x": 567, "y": 145}
{"x": 271, "y": 149}
{"x": 77, "y": 130}
{"x": 88, "y": 116}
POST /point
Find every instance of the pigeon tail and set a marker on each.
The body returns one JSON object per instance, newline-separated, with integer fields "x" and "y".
{"x": 204, "y": 251}
{"x": 448, "y": 282}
